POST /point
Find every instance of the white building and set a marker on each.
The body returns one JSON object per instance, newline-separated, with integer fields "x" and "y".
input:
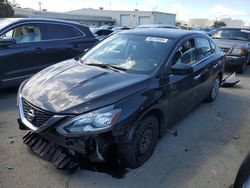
{"x": 81, "y": 18}
{"x": 233, "y": 23}
{"x": 200, "y": 22}
{"x": 130, "y": 18}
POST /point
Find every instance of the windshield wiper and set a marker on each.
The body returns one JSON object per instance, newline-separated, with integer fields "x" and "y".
{"x": 105, "y": 66}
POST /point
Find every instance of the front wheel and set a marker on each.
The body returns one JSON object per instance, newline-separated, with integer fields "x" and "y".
{"x": 142, "y": 146}
{"x": 214, "y": 91}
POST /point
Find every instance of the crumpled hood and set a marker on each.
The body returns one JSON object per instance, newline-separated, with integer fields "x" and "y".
{"x": 71, "y": 87}
{"x": 230, "y": 43}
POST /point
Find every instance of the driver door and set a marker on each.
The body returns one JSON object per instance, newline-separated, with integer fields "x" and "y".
{"x": 180, "y": 90}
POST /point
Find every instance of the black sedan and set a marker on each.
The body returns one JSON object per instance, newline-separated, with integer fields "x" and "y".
{"x": 28, "y": 45}
{"x": 164, "y": 26}
{"x": 120, "y": 96}
{"x": 235, "y": 43}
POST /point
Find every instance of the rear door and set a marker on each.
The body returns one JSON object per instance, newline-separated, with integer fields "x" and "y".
{"x": 21, "y": 60}
{"x": 205, "y": 67}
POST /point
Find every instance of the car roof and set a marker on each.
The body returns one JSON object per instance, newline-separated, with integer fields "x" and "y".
{"x": 233, "y": 28}
{"x": 18, "y": 20}
{"x": 157, "y": 26}
{"x": 158, "y": 32}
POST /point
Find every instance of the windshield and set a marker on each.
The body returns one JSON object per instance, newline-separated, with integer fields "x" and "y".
{"x": 133, "y": 53}
{"x": 234, "y": 34}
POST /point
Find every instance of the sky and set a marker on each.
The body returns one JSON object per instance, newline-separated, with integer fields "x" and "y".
{"x": 184, "y": 9}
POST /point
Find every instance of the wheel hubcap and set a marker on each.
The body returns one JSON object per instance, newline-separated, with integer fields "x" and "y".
{"x": 144, "y": 141}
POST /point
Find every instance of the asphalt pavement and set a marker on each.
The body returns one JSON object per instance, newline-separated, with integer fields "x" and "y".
{"x": 211, "y": 143}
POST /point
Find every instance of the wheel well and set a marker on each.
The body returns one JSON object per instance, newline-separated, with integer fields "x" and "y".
{"x": 160, "y": 117}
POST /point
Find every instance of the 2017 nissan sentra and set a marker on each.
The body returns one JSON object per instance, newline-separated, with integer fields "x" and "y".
{"x": 28, "y": 45}
{"x": 120, "y": 96}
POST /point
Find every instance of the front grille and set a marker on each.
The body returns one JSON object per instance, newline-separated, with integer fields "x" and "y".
{"x": 34, "y": 115}
{"x": 225, "y": 50}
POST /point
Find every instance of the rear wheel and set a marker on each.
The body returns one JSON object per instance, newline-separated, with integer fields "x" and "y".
{"x": 214, "y": 91}
{"x": 142, "y": 146}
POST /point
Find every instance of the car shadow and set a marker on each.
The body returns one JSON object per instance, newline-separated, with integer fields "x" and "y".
{"x": 6, "y": 99}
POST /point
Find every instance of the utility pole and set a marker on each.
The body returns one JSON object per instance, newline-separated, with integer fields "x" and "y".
{"x": 40, "y": 5}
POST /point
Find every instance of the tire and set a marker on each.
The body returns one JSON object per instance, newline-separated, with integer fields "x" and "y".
{"x": 142, "y": 146}
{"x": 214, "y": 91}
{"x": 242, "y": 67}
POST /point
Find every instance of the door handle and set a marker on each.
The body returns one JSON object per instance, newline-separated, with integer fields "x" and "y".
{"x": 197, "y": 77}
{"x": 39, "y": 50}
{"x": 215, "y": 66}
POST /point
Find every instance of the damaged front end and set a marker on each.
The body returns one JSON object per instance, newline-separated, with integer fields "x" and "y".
{"x": 63, "y": 152}
{"x": 63, "y": 139}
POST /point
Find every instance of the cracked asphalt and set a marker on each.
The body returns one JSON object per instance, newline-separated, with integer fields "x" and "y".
{"x": 211, "y": 143}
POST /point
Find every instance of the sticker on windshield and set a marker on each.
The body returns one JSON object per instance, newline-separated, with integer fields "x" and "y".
{"x": 157, "y": 39}
{"x": 245, "y": 31}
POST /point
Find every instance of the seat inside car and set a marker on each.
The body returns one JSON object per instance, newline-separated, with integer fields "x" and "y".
{"x": 28, "y": 34}
{"x": 37, "y": 34}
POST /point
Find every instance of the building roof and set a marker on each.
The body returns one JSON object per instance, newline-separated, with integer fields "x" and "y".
{"x": 21, "y": 12}
{"x": 121, "y": 11}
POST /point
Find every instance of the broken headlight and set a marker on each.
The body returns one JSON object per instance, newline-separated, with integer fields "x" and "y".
{"x": 94, "y": 122}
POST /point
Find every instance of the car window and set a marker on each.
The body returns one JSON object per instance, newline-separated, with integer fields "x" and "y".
{"x": 107, "y": 32}
{"x": 24, "y": 33}
{"x": 186, "y": 54}
{"x": 135, "y": 53}
{"x": 203, "y": 48}
{"x": 99, "y": 33}
{"x": 232, "y": 34}
{"x": 213, "y": 46}
{"x": 57, "y": 31}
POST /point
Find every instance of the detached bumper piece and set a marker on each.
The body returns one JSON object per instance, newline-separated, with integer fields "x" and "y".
{"x": 49, "y": 152}
{"x": 230, "y": 81}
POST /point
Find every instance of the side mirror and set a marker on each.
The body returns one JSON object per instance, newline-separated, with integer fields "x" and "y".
{"x": 7, "y": 41}
{"x": 181, "y": 69}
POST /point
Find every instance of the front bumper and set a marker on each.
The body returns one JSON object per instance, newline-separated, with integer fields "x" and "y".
{"x": 50, "y": 151}
{"x": 234, "y": 60}
{"x": 93, "y": 147}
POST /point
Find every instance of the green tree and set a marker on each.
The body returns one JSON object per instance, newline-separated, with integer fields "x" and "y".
{"x": 6, "y": 9}
{"x": 218, "y": 24}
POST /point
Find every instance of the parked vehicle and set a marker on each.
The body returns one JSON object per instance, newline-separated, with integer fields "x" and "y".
{"x": 120, "y": 96}
{"x": 28, "y": 45}
{"x": 120, "y": 28}
{"x": 166, "y": 26}
{"x": 242, "y": 179}
{"x": 235, "y": 43}
{"x": 101, "y": 33}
